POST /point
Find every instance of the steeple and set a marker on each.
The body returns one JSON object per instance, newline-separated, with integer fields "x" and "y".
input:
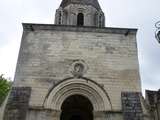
{"x": 80, "y": 13}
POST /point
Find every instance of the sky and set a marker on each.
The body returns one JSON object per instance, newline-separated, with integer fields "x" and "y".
{"x": 141, "y": 14}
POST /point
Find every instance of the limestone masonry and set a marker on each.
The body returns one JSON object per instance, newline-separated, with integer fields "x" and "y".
{"x": 78, "y": 69}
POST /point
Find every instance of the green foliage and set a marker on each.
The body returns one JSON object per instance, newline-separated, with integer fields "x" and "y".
{"x": 5, "y": 86}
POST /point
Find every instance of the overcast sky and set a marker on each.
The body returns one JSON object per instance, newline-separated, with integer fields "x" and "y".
{"x": 141, "y": 14}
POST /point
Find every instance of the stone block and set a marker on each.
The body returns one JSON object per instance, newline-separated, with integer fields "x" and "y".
{"x": 131, "y": 106}
{"x": 18, "y": 103}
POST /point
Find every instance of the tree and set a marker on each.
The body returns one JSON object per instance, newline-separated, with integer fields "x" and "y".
{"x": 5, "y": 86}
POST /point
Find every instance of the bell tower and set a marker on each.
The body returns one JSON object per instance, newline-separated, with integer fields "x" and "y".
{"x": 80, "y": 13}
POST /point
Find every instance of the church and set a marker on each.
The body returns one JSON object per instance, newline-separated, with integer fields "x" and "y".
{"x": 77, "y": 69}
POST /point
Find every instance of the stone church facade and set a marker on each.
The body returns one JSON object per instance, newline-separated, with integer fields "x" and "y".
{"x": 77, "y": 69}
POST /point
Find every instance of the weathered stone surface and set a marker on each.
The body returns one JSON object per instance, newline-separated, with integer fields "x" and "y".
{"x": 131, "y": 106}
{"x": 49, "y": 51}
{"x": 94, "y": 3}
{"x": 68, "y": 28}
{"x": 153, "y": 100}
{"x": 1, "y": 113}
{"x": 42, "y": 114}
{"x": 151, "y": 97}
{"x": 158, "y": 95}
{"x": 18, "y": 103}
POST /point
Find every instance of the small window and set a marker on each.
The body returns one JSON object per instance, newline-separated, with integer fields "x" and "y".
{"x": 80, "y": 19}
{"x": 100, "y": 21}
{"x": 60, "y": 18}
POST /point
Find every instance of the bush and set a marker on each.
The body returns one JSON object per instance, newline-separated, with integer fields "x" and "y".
{"x": 5, "y": 86}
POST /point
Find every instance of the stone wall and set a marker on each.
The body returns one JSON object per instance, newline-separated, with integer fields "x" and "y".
{"x": 2, "y": 108}
{"x": 153, "y": 101}
{"x": 17, "y": 104}
{"x": 41, "y": 114}
{"x": 93, "y": 3}
{"x": 131, "y": 105}
{"x": 1, "y": 113}
{"x": 48, "y": 52}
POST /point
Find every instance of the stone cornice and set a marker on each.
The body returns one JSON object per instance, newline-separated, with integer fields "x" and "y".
{"x": 53, "y": 27}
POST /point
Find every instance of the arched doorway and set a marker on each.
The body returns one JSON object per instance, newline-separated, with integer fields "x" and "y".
{"x": 77, "y": 107}
{"x": 80, "y": 19}
{"x": 98, "y": 97}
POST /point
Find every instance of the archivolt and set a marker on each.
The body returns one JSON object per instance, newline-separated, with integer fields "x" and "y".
{"x": 98, "y": 97}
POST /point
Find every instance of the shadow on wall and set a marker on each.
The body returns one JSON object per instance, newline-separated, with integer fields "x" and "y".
{"x": 2, "y": 107}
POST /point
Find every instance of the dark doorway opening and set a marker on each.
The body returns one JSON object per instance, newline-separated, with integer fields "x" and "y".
{"x": 80, "y": 19}
{"x": 77, "y": 107}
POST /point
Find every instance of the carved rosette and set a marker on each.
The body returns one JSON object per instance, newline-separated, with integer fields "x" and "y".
{"x": 79, "y": 68}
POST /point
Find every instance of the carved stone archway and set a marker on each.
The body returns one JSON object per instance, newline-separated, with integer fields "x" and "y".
{"x": 88, "y": 88}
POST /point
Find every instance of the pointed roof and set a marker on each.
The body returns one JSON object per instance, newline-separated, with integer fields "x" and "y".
{"x": 94, "y": 3}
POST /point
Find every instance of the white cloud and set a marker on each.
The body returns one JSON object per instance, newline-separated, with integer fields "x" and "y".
{"x": 8, "y": 58}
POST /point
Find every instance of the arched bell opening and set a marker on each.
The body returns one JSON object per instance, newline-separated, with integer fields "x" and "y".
{"x": 80, "y": 19}
{"x": 77, "y": 107}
